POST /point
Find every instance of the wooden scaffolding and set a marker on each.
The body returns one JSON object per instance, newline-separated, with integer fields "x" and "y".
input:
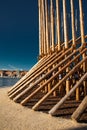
{"x": 60, "y": 75}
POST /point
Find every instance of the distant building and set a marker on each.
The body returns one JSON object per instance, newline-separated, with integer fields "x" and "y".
{"x": 12, "y": 73}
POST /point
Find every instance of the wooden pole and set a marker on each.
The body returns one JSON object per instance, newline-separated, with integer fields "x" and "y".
{"x": 52, "y": 25}
{"x": 38, "y": 74}
{"x": 65, "y": 24}
{"x": 74, "y": 38}
{"x": 61, "y": 102}
{"x": 79, "y": 111}
{"x": 83, "y": 41}
{"x": 58, "y": 24}
{"x": 35, "y": 107}
{"x": 54, "y": 76}
{"x": 66, "y": 40}
{"x": 40, "y": 46}
{"x": 44, "y": 29}
{"x": 30, "y": 72}
{"x": 47, "y": 39}
{"x": 81, "y": 22}
{"x": 38, "y": 69}
{"x": 73, "y": 22}
{"x": 35, "y": 76}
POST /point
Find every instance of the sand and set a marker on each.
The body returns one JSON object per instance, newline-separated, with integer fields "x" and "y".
{"x": 13, "y": 116}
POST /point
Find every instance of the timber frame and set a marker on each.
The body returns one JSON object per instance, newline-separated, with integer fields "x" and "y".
{"x": 60, "y": 74}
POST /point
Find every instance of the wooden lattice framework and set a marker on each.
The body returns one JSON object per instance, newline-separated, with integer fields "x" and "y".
{"x": 61, "y": 72}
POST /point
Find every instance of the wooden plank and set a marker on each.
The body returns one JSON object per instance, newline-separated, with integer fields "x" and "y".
{"x": 79, "y": 111}
{"x": 58, "y": 105}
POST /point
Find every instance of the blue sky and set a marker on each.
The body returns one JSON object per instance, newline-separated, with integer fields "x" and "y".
{"x": 18, "y": 33}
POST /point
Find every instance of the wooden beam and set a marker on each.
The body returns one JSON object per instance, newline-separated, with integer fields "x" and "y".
{"x": 32, "y": 70}
{"x": 65, "y": 24}
{"x": 61, "y": 102}
{"x": 35, "y": 107}
{"x": 54, "y": 76}
{"x": 73, "y": 22}
{"x": 79, "y": 111}
{"x": 81, "y": 22}
{"x": 77, "y": 93}
{"x": 83, "y": 41}
{"x": 44, "y": 29}
{"x": 52, "y": 25}
{"x": 47, "y": 38}
{"x": 37, "y": 69}
{"x": 58, "y": 24}
{"x": 39, "y": 80}
{"x": 66, "y": 39}
{"x": 40, "y": 46}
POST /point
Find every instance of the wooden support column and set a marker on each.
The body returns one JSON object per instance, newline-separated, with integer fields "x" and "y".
{"x": 47, "y": 39}
{"x": 49, "y": 84}
{"x": 83, "y": 42}
{"x": 40, "y": 42}
{"x": 77, "y": 93}
{"x": 44, "y": 36}
{"x": 65, "y": 24}
{"x": 74, "y": 38}
{"x": 52, "y": 26}
{"x": 66, "y": 40}
{"x": 58, "y": 24}
{"x": 73, "y": 22}
{"x": 42, "y": 29}
{"x": 81, "y": 22}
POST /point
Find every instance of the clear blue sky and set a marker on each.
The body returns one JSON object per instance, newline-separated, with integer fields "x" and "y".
{"x": 18, "y": 33}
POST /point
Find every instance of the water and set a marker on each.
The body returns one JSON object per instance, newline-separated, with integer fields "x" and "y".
{"x": 6, "y": 81}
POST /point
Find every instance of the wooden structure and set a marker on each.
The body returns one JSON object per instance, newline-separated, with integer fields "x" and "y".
{"x": 61, "y": 72}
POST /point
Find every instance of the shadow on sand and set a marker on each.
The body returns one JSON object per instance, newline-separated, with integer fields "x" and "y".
{"x": 79, "y": 128}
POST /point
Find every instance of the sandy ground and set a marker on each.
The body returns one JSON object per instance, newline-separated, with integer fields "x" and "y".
{"x": 16, "y": 117}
